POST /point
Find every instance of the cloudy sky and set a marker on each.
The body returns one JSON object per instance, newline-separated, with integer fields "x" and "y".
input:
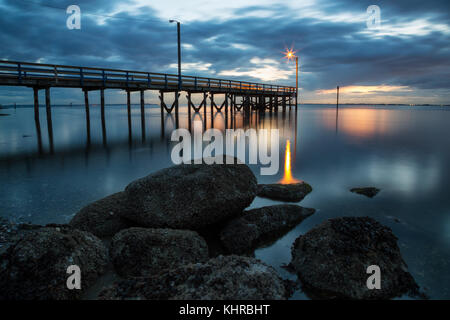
{"x": 404, "y": 60}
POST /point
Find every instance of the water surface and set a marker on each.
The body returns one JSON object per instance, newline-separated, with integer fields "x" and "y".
{"x": 404, "y": 151}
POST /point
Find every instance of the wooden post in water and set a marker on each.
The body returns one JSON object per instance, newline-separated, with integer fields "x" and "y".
{"x": 36, "y": 103}
{"x": 49, "y": 118}
{"x": 204, "y": 113}
{"x": 337, "y": 97}
{"x": 161, "y": 97}
{"x": 36, "y": 118}
{"x": 226, "y": 111}
{"x": 102, "y": 111}
{"x": 177, "y": 102}
{"x": 189, "y": 111}
{"x": 232, "y": 103}
{"x": 130, "y": 132}
{"x": 88, "y": 118}
{"x": 142, "y": 115}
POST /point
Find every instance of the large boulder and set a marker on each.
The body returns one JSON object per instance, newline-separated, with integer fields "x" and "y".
{"x": 144, "y": 252}
{"x": 191, "y": 196}
{"x": 293, "y": 192}
{"x": 35, "y": 267}
{"x": 103, "y": 217}
{"x": 257, "y": 226}
{"x": 221, "y": 278}
{"x": 332, "y": 260}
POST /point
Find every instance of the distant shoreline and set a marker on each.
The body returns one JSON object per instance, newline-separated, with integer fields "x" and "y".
{"x": 9, "y": 106}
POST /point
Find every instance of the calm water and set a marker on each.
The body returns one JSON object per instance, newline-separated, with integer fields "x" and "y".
{"x": 404, "y": 151}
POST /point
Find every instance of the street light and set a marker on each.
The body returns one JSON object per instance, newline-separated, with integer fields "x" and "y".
{"x": 290, "y": 54}
{"x": 179, "y": 52}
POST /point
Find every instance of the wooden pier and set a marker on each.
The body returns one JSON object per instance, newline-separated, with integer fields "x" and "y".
{"x": 237, "y": 95}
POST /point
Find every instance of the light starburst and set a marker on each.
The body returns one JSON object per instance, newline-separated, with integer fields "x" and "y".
{"x": 290, "y": 54}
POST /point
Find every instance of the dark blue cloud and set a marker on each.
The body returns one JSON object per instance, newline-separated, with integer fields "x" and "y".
{"x": 331, "y": 52}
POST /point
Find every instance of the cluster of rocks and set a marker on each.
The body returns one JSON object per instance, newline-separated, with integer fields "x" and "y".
{"x": 148, "y": 235}
{"x": 152, "y": 236}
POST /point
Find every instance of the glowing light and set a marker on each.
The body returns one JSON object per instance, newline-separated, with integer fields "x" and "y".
{"x": 290, "y": 54}
{"x": 287, "y": 178}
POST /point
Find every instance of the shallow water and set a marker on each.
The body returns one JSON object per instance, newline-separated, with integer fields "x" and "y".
{"x": 404, "y": 151}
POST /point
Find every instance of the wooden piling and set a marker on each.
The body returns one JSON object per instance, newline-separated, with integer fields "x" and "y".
{"x": 189, "y": 111}
{"x": 161, "y": 98}
{"x": 204, "y": 113}
{"x": 337, "y": 97}
{"x": 142, "y": 115}
{"x": 130, "y": 131}
{"x": 49, "y": 118}
{"x": 226, "y": 111}
{"x": 88, "y": 118}
{"x": 36, "y": 119}
{"x": 36, "y": 103}
{"x": 102, "y": 111}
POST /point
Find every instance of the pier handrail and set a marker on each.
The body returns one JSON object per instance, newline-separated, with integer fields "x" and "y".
{"x": 40, "y": 71}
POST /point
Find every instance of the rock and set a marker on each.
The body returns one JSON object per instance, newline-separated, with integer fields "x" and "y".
{"x": 368, "y": 191}
{"x": 191, "y": 196}
{"x": 144, "y": 252}
{"x": 257, "y": 226}
{"x": 285, "y": 192}
{"x": 11, "y": 232}
{"x": 332, "y": 259}
{"x": 221, "y": 278}
{"x": 103, "y": 217}
{"x": 35, "y": 267}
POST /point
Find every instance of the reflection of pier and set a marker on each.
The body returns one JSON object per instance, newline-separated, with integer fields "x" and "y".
{"x": 160, "y": 137}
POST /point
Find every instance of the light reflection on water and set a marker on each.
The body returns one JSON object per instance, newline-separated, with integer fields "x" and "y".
{"x": 401, "y": 150}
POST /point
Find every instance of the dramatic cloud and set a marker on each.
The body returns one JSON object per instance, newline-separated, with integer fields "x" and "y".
{"x": 406, "y": 59}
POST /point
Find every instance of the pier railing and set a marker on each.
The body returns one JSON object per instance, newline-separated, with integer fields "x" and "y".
{"x": 38, "y": 74}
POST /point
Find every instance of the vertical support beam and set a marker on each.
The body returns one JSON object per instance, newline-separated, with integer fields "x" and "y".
{"x": 337, "y": 97}
{"x": 211, "y": 96}
{"x": 226, "y": 111}
{"x": 204, "y": 114}
{"x": 102, "y": 106}
{"x": 232, "y": 102}
{"x": 177, "y": 95}
{"x": 189, "y": 111}
{"x": 88, "y": 118}
{"x": 142, "y": 115}
{"x": 130, "y": 132}
{"x": 36, "y": 119}
{"x": 36, "y": 103}
{"x": 161, "y": 96}
{"x": 212, "y": 111}
{"x": 49, "y": 118}
{"x": 284, "y": 103}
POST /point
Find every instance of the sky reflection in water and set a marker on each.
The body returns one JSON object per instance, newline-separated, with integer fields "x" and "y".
{"x": 401, "y": 150}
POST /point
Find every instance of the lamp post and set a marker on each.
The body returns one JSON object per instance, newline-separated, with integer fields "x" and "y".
{"x": 179, "y": 52}
{"x": 290, "y": 54}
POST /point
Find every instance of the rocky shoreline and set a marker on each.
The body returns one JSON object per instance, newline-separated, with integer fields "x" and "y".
{"x": 184, "y": 233}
